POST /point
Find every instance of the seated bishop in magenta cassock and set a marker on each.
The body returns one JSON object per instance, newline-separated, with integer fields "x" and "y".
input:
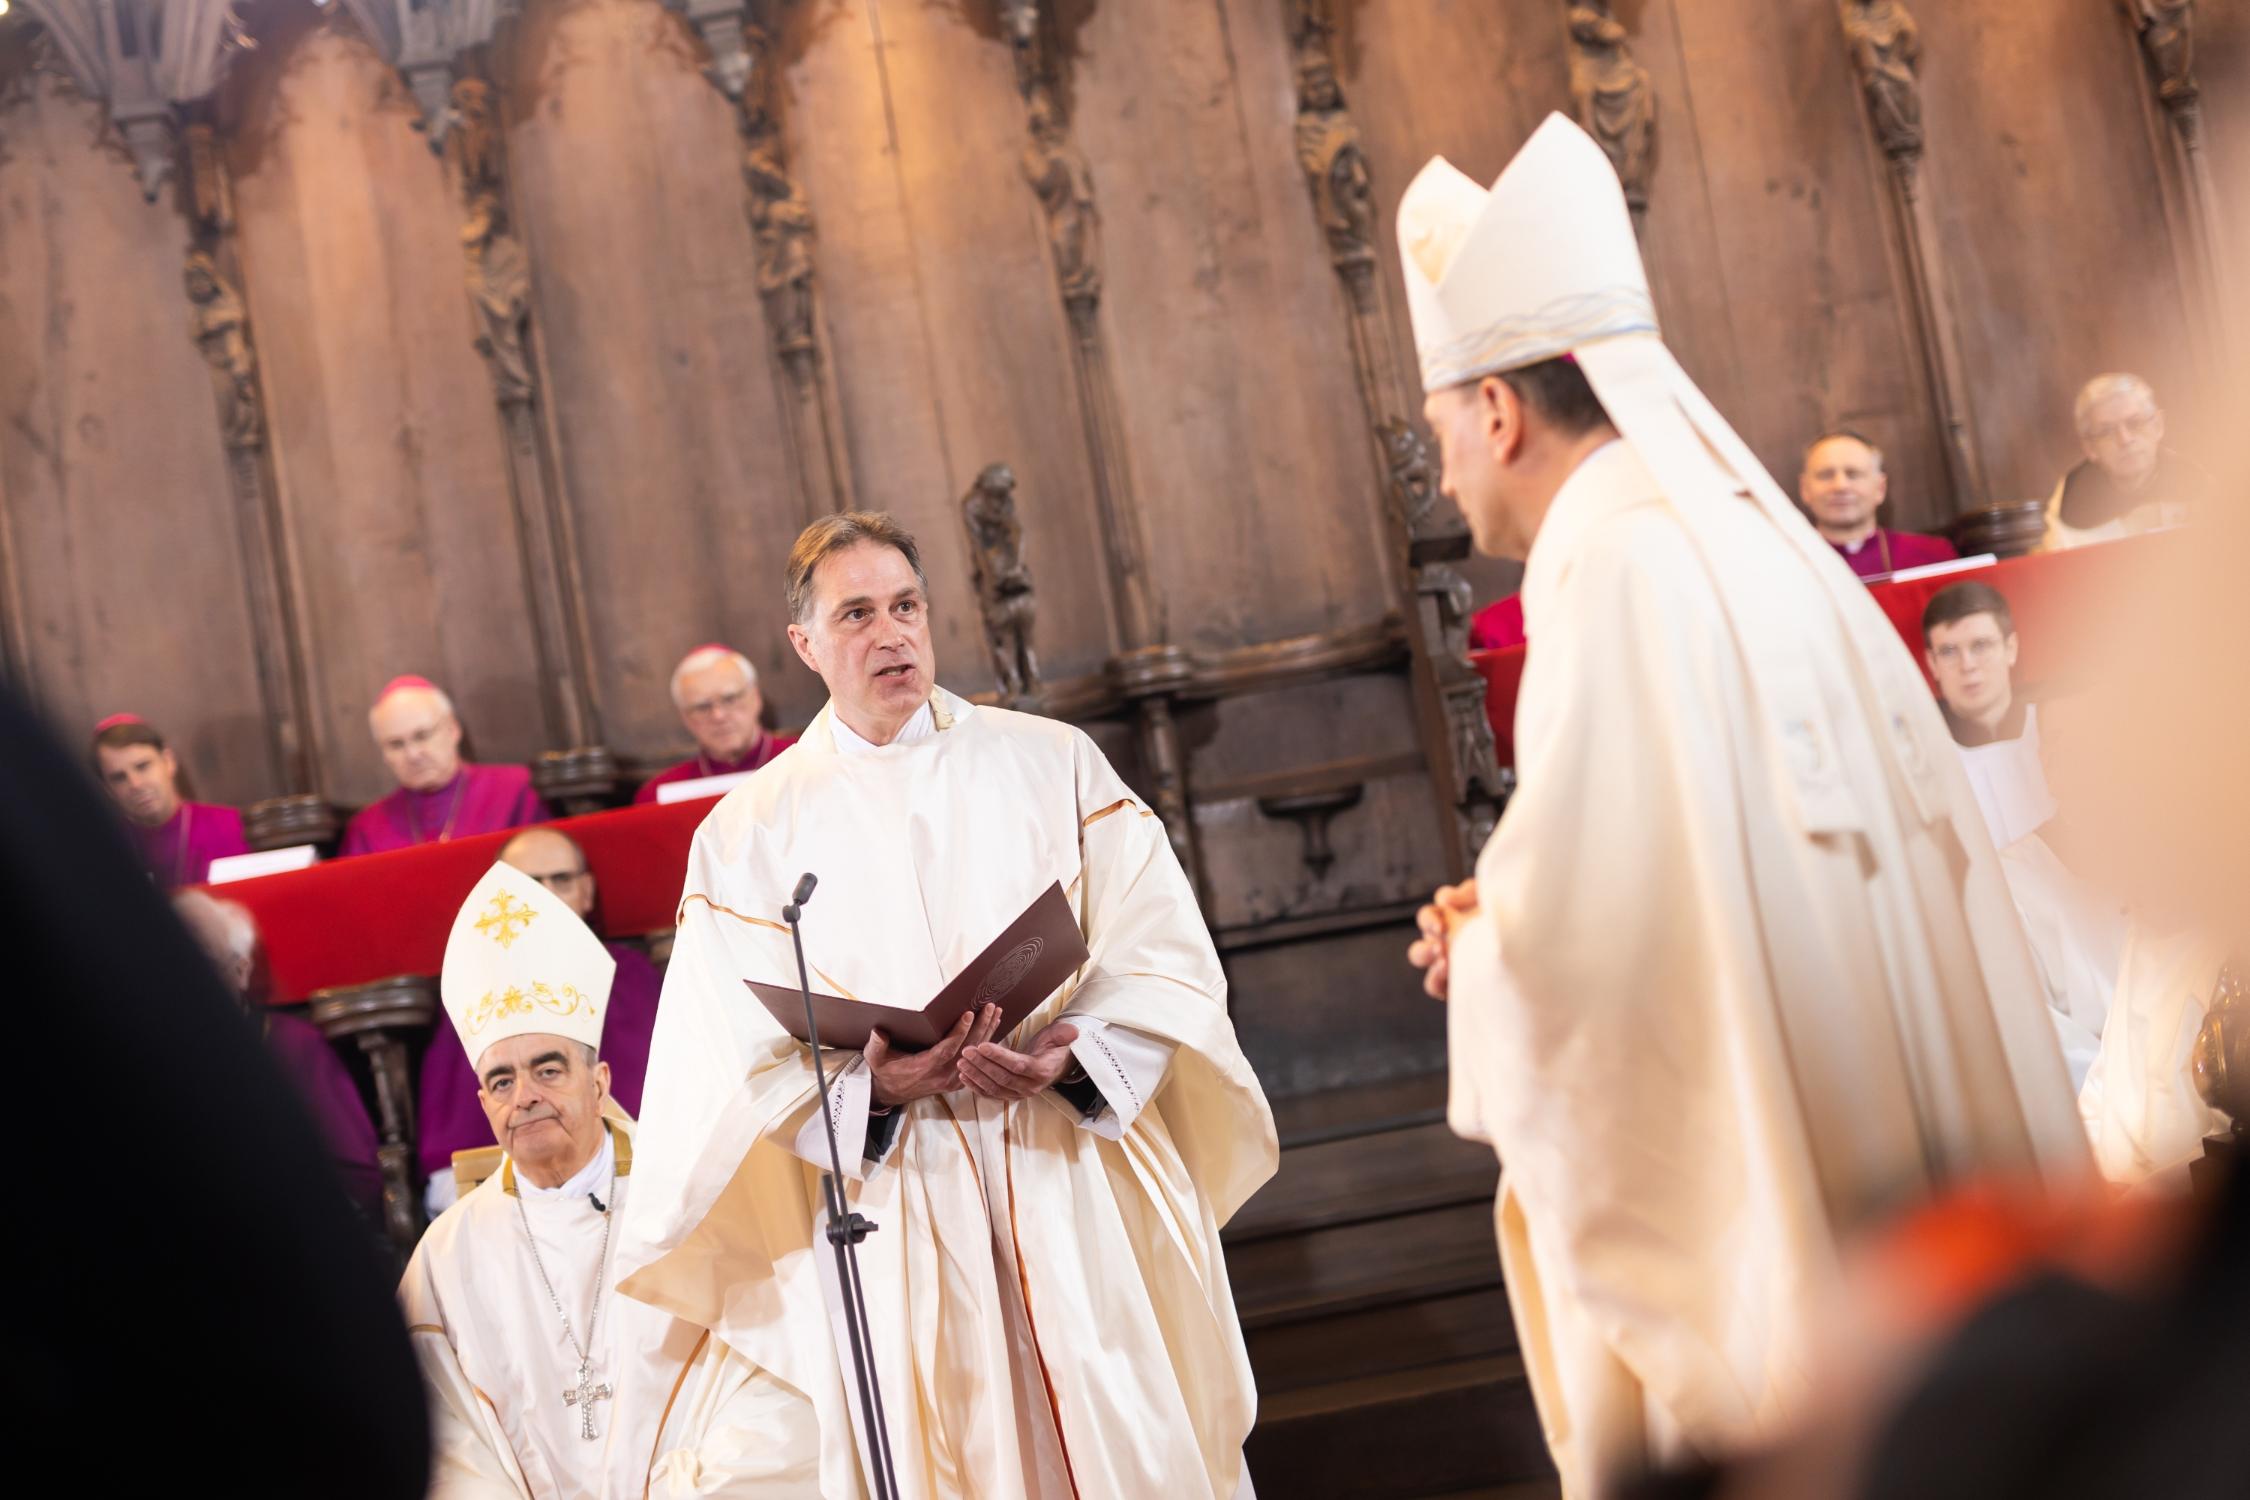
{"x": 716, "y": 691}
{"x": 1843, "y": 485}
{"x": 226, "y": 932}
{"x": 449, "y": 1115}
{"x": 440, "y": 797}
{"x": 177, "y": 839}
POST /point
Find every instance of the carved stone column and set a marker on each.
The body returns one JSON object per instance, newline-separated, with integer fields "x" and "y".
{"x": 2165, "y": 30}
{"x": 219, "y": 322}
{"x": 781, "y": 223}
{"x": 1616, "y": 102}
{"x": 1448, "y": 693}
{"x": 1148, "y": 672}
{"x": 498, "y": 277}
{"x": 1886, "y": 47}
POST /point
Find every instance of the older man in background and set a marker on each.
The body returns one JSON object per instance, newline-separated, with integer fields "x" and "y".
{"x": 177, "y": 839}
{"x": 716, "y": 691}
{"x": 1842, "y": 485}
{"x": 227, "y": 933}
{"x": 440, "y": 797}
{"x": 449, "y": 1116}
{"x": 2128, "y": 482}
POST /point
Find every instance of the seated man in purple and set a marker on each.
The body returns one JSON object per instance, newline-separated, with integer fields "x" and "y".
{"x": 178, "y": 840}
{"x": 226, "y": 932}
{"x": 440, "y": 797}
{"x": 716, "y": 691}
{"x": 1842, "y": 486}
{"x": 448, "y": 1114}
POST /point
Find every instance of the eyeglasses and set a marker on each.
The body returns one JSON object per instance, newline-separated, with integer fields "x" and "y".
{"x": 710, "y": 706}
{"x": 557, "y": 881}
{"x": 1977, "y": 652}
{"x": 2137, "y": 426}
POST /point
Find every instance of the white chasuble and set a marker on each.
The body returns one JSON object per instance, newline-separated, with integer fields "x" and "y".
{"x": 2140, "y": 1105}
{"x": 1048, "y": 1298}
{"x": 1732, "y": 985}
{"x": 499, "y": 1368}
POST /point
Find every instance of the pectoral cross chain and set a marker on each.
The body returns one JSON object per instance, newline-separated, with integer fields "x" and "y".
{"x": 584, "y": 1397}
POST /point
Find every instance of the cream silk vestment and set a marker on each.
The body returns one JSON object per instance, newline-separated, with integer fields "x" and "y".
{"x": 1049, "y": 1301}
{"x": 1705, "y": 1038}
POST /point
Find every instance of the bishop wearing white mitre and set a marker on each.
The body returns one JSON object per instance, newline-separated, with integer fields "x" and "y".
{"x": 1049, "y": 1302}
{"x": 542, "y": 1380}
{"x": 1738, "y": 968}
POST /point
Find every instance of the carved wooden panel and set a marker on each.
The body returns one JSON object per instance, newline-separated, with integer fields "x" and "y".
{"x": 120, "y": 533}
{"x": 661, "y": 380}
{"x": 2052, "y": 220}
{"x": 951, "y": 347}
{"x": 387, "y": 448}
{"x": 1244, "y": 428}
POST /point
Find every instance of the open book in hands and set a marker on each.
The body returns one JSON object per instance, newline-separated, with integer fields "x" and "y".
{"x": 1017, "y": 971}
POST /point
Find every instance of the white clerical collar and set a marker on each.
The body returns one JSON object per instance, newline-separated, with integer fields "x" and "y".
{"x": 587, "y": 1180}
{"x": 850, "y": 742}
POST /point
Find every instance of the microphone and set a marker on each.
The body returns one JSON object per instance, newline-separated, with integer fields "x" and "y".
{"x": 805, "y": 885}
{"x": 599, "y": 1206}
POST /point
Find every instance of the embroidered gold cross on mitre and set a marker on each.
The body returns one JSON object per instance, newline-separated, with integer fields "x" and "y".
{"x": 505, "y": 918}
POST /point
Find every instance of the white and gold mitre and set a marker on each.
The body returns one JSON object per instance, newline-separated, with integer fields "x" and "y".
{"x": 1542, "y": 264}
{"x": 520, "y": 961}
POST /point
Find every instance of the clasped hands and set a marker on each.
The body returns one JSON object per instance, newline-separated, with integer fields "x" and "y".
{"x": 1431, "y": 953}
{"x": 969, "y": 1058}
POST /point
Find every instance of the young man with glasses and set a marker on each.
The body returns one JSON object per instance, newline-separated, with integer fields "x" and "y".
{"x": 1970, "y": 638}
{"x": 716, "y": 691}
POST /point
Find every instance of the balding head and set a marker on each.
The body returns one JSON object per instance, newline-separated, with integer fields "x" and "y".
{"x": 419, "y": 736}
{"x": 716, "y": 691}
{"x": 2121, "y": 427}
{"x": 553, "y": 858}
{"x": 225, "y": 932}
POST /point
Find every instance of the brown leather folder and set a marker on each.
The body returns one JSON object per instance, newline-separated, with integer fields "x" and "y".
{"x": 1017, "y": 971}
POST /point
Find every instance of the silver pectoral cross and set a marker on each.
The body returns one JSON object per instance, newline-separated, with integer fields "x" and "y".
{"x": 583, "y": 1397}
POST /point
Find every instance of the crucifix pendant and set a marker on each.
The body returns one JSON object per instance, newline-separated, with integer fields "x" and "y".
{"x": 583, "y": 1397}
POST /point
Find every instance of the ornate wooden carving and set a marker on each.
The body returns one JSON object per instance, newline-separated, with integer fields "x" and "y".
{"x": 1312, "y": 811}
{"x": 1464, "y": 763}
{"x": 1616, "y": 102}
{"x": 1056, "y": 171}
{"x": 2008, "y": 529}
{"x": 2165, "y": 30}
{"x": 219, "y": 323}
{"x": 382, "y": 1018}
{"x": 1003, "y": 583}
{"x": 1886, "y": 50}
{"x": 496, "y": 272}
{"x": 781, "y": 226}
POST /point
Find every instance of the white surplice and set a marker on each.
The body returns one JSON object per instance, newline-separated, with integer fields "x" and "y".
{"x": 2139, "y": 1101}
{"x": 2077, "y": 940}
{"x": 2010, "y": 782}
{"x": 1743, "y": 970}
{"x": 1048, "y": 1296}
{"x": 496, "y": 1361}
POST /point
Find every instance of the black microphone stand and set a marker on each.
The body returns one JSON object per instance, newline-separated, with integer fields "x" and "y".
{"x": 845, "y": 1230}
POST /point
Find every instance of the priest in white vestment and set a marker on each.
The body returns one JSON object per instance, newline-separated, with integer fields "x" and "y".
{"x": 1049, "y": 1301}
{"x": 543, "y": 1381}
{"x": 2140, "y": 1104}
{"x": 1738, "y": 969}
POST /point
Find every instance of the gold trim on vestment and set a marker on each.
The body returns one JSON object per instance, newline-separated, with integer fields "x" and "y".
{"x": 724, "y": 911}
{"x": 1023, "y": 1282}
{"x": 658, "y": 1446}
{"x": 622, "y": 1143}
{"x": 414, "y": 1328}
{"x": 1118, "y": 806}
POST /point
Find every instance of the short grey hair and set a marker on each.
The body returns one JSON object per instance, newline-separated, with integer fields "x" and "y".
{"x": 830, "y": 535}
{"x": 1832, "y": 434}
{"x": 711, "y": 656}
{"x": 2094, "y": 392}
{"x": 444, "y": 702}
